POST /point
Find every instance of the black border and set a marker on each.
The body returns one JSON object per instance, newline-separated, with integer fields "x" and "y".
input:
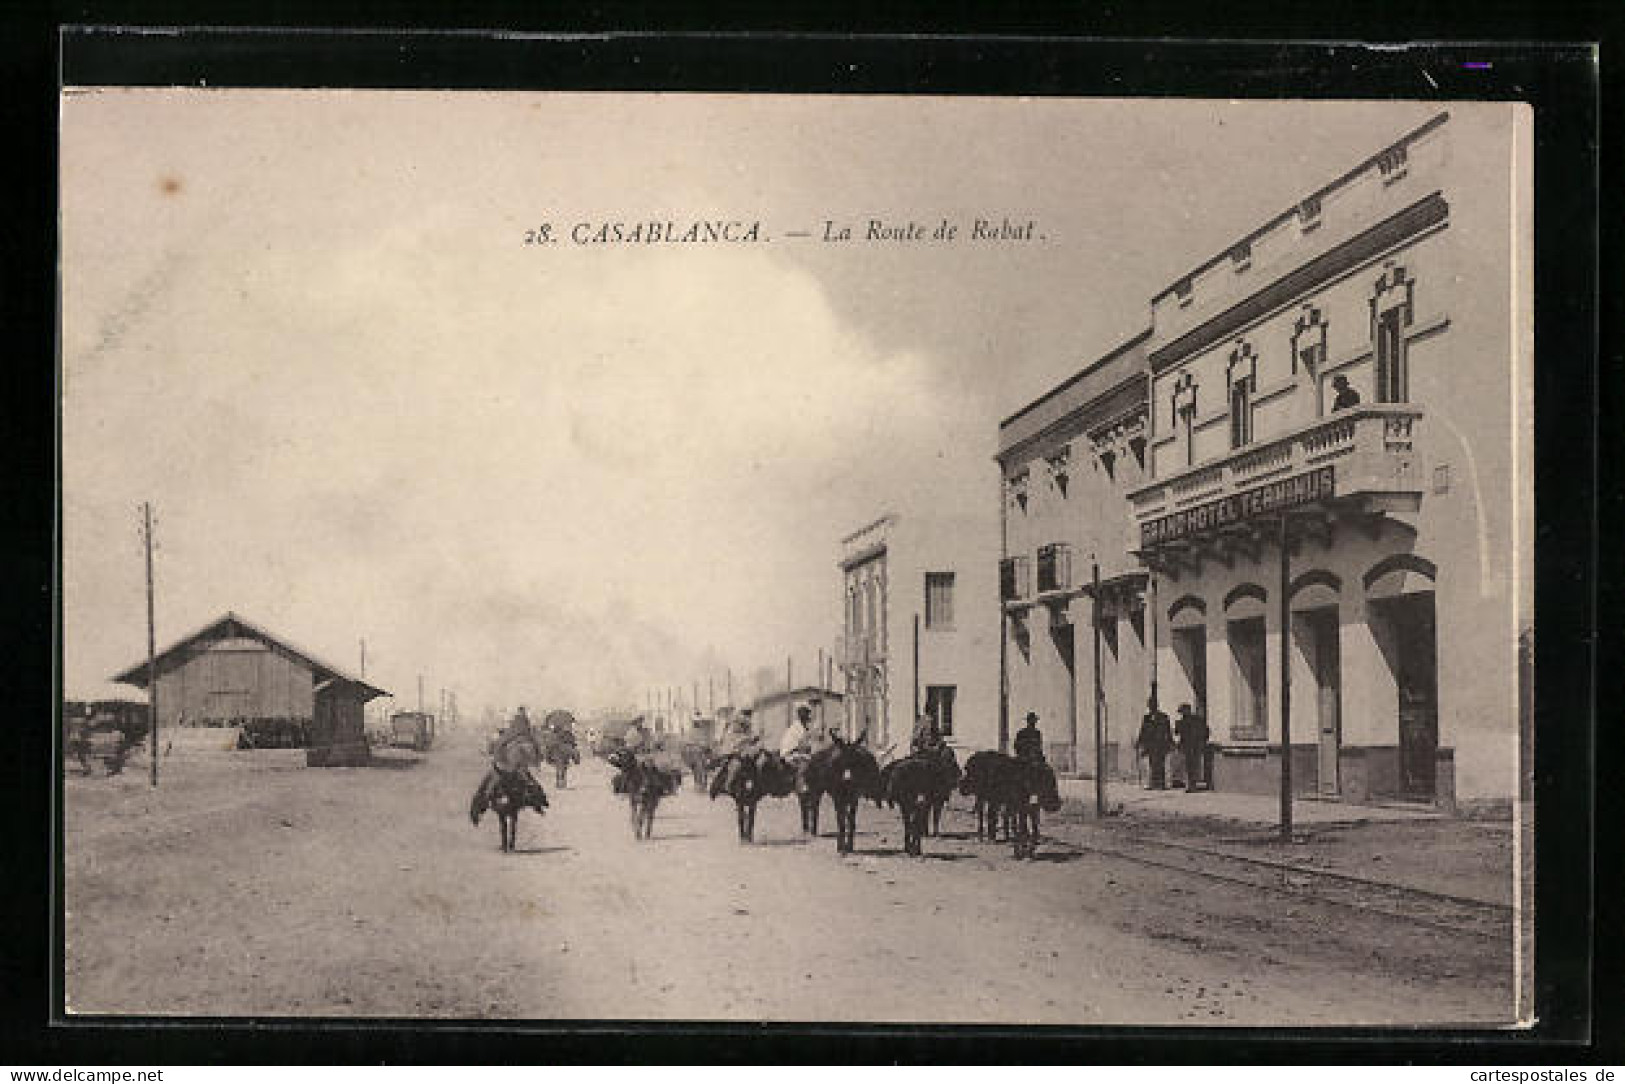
{"x": 1561, "y": 82}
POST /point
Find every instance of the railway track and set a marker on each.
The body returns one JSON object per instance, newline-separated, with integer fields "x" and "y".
{"x": 1443, "y": 912}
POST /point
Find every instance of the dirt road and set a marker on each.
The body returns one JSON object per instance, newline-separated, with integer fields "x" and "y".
{"x": 255, "y": 888}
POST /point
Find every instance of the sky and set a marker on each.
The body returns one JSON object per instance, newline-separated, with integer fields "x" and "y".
{"x": 305, "y": 326}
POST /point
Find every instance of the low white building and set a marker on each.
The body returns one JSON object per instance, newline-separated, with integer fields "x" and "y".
{"x": 921, "y": 624}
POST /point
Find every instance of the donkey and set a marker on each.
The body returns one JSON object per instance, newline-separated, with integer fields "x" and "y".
{"x": 919, "y": 786}
{"x": 850, "y": 775}
{"x": 977, "y": 782}
{"x": 561, "y": 754}
{"x": 507, "y": 793}
{"x": 752, "y": 778}
{"x": 644, "y": 782}
{"x": 698, "y": 759}
{"x": 1016, "y": 789}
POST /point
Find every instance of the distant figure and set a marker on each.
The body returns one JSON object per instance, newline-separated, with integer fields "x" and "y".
{"x": 795, "y": 738}
{"x": 1346, "y": 395}
{"x": 927, "y": 738}
{"x": 1030, "y": 740}
{"x": 1155, "y": 740}
{"x": 824, "y": 736}
{"x": 514, "y": 753}
{"x": 636, "y": 737}
{"x": 1191, "y": 729}
{"x": 740, "y": 743}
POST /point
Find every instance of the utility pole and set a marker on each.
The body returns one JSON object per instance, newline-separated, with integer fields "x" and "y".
{"x": 363, "y": 658}
{"x": 420, "y": 694}
{"x": 710, "y": 697}
{"x": 730, "y": 687}
{"x": 1153, "y": 615}
{"x": 789, "y": 695}
{"x": 915, "y": 721}
{"x": 1100, "y": 733}
{"x": 152, "y": 645}
{"x": 1286, "y": 683}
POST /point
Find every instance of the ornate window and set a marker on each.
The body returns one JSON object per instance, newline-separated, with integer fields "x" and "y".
{"x": 1018, "y": 490}
{"x": 1184, "y": 413}
{"x": 1059, "y": 465}
{"x": 1392, "y": 304}
{"x": 1242, "y": 376}
{"x": 1309, "y": 349}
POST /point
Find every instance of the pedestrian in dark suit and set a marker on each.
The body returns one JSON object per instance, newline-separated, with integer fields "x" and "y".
{"x": 1191, "y": 729}
{"x": 1030, "y": 740}
{"x": 1155, "y": 740}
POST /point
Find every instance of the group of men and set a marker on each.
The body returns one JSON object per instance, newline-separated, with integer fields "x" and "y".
{"x": 740, "y": 743}
{"x": 1157, "y": 739}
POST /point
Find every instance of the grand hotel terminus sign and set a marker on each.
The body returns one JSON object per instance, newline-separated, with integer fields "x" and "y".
{"x": 1300, "y": 489}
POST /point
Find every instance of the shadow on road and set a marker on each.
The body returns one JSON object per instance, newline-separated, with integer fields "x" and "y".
{"x": 394, "y": 764}
{"x": 1057, "y": 856}
{"x": 799, "y": 842}
{"x": 541, "y": 850}
{"x": 664, "y": 837}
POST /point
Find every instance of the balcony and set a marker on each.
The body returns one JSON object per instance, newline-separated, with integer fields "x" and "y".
{"x": 1361, "y": 458}
{"x": 1015, "y": 579}
{"x": 1054, "y": 567}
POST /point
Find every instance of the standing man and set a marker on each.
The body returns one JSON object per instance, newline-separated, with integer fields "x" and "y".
{"x": 927, "y": 738}
{"x": 1156, "y": 738}
{"x": 1192, "y": 731}
{"x": 1029, "y": 743}
{"x": 795, "y": 737}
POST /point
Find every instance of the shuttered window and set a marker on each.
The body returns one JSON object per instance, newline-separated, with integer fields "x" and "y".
{"x": 939, "y": 600}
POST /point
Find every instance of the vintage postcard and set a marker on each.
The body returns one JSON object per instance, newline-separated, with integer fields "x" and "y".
{"x": 841, "y": 559}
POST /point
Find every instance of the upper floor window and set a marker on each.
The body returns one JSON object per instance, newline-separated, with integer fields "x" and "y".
{"x": 1243, "y": 377}
{"x": 939, "y": 600}
{"x": 1241, "y": 414}
{"x": 1391, "y": 308}
{"x": 1184, "y": 414}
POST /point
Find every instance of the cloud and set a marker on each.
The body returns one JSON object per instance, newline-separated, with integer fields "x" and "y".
{"x": 559, "y": 484}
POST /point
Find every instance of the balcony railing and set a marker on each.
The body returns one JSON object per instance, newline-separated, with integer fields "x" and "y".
{"x": 1015, "y": 579}
{"x": 1370, "y": 448}
{"x": 1054, "y": 567}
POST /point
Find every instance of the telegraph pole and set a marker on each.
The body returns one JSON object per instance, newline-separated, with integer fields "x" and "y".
{"x": 152, "y": 646}
{"x": 1286, "y": 683}
{"x": 363, "y": 658}
{"x": 1100, "y": 733}
{"x": 912, "y": 723}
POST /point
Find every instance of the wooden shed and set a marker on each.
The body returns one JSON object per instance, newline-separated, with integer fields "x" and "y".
{"x": 231, "y": 672}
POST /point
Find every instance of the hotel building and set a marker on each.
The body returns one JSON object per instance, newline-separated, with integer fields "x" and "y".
{"x": 1347, "y": 387}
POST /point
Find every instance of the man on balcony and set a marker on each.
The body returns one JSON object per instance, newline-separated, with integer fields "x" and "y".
{"x": 1346, "y": 396}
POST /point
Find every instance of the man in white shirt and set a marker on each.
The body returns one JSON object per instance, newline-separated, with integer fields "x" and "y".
{"x": 794, "y": 738}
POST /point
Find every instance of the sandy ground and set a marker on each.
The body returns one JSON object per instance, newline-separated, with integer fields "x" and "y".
{"x": 249, "y": 886}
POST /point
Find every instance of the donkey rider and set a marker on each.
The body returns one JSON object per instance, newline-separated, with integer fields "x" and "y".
{"x": 740, "y": 744}
{"x": 515, "y": 752}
